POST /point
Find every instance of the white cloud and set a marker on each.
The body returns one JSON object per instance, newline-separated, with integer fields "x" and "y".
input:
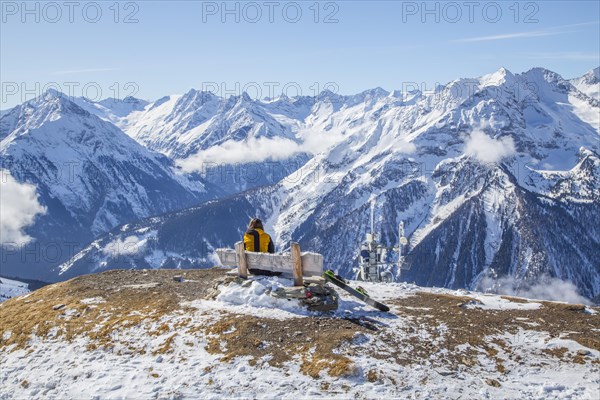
{"x": 315, "y": 140}
{"x": 545, "y": 288}
{"x": 516, "y": 35}
{"x": 551, "y": 31}
{"x": 246, "y": 151}
{"x": 312, "y": 141}
{"x": 487, "y": 149}
{"x": 259, "y": 150}
{"x": 19, "y": 207}
{"x": 124, "y": 247}
{"x": 405, "y": 147}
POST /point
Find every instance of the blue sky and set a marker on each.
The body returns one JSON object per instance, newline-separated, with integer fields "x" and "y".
{"x": 177, "y": 45}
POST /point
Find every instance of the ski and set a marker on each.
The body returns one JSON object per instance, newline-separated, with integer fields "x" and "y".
{"x": 361, "y": 293}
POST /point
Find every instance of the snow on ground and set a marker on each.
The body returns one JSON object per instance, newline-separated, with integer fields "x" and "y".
{"x": 254, "y": 299}
{"x": 93, "y": 300}
{"x": 232, "y": 345}
{"x": 10, "y": 288}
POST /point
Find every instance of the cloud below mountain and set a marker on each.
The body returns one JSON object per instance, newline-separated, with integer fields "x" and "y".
{"x": 487, "y": 149}
{"x": 128, "y": 246}
{"x": 545, "y": 288}
{"x": 259, "y": 150}
{"x": 19, "y": 207}
{"x": 246, "y": 151}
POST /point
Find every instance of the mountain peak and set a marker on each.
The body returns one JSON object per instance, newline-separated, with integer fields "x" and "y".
{"x": 51, "y": 104}
{"x": 193, "y": 100}
{"x": 52, "y": 93}
{"x": 51, "y": 96}
{"x": 497, "y": 78}
{"x": 246, "y": 97}
{"x": 328, "y": 95}
{"x": 538, "y": 74}
{"x": 589, "y": 83}
{"x": 376, "y": 92}
{"x": 242, "y": 100}
{"x": 128, "y": 99}
{"x": 194, "y": 95}
{"x": 592, "y": 76}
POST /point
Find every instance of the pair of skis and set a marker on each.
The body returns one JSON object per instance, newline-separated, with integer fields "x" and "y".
{"x": 359, "y": 292}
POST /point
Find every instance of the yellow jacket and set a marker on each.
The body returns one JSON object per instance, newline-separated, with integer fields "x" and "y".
{"x": 259, "y": 241}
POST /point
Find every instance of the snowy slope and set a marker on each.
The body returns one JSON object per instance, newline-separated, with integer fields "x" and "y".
{"x": 589, "y": 83}
{"x": 111, "y": 109}
{"x": 10, "y": 288}
{"x": 88, "y": 174}
{"x": 140, "y": 334}
{"x": 204, "y": 126}
{"x": 182, "y": 239}
{"x": 180, "y": 126}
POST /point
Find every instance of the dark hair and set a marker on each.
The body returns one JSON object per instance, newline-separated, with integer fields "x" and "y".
{"x": 255, "y": 223}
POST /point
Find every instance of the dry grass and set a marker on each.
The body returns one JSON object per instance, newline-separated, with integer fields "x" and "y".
{"x": 473, "y": 327}
{"x": 558, "y": 352}
{"x": 320, "y": 342}
{"x": 493, "y": 383}
{"x": 166, "y": 347}
{"x": 372, "y": 375}
{"x": 124, "y": 305}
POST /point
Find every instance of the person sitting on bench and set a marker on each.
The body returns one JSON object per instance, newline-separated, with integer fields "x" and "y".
{"x": 257, "y": 240}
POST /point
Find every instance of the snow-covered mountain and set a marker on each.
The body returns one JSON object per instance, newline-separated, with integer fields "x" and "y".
{"x": 112, "y": 109}
{"x": 203, "y": 126}
{"x": 89, "y": 177}
{"x": 10, "y": 288}
{"x": 179, "y": 126}
{"x": 462, "y": 168}
{"x": 493, "y": 176}
{"x": 144, "y": 334}
{"x": 589, "y": 83}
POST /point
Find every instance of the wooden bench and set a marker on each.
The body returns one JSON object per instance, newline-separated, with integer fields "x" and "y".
{"x": 294, "y": 264}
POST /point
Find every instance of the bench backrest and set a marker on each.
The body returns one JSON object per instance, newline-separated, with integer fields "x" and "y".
{"x": 312, "y": 263}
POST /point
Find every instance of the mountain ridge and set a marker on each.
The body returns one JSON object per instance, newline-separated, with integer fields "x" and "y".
{"x": 423, "y": 158}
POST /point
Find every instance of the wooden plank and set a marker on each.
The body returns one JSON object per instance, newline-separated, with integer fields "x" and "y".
{"x": 312, "y": 263}
{"x": 241, "y": 260}
{"x": 227, "y": 257}
{"x": 297, "y": 263}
